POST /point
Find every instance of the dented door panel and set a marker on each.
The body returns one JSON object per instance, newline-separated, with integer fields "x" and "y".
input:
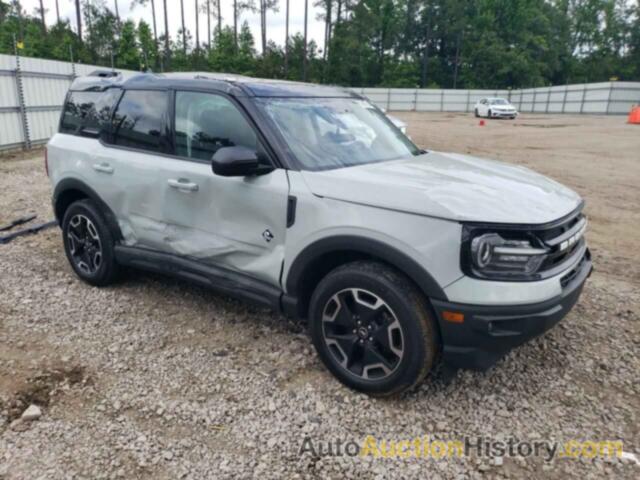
{"x": 136, "y": 194}
{"x": 221, "y": 223}
{"x": 224, "y": 222}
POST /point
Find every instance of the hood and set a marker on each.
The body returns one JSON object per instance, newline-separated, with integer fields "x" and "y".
{"x": 450, "y": 186}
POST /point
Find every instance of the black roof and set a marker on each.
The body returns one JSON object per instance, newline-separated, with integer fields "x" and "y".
{"x": 229, "y": 83}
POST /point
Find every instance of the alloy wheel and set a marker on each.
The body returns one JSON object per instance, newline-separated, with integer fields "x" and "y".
{"x": 84, "y": 244}
{"x": 363, "y": 334}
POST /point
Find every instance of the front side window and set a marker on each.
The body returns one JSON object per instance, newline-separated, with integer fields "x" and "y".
{"x": 328, "y": 133}
{"x": 141, "y": 120}
{"x": 207, "y": 122}
{"x": 88, "y": 111}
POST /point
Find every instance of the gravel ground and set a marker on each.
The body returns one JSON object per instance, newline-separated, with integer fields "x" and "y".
{"x": 154, "y": 378}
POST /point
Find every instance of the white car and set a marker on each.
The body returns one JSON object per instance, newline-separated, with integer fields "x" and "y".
{"x": 495, "y": 108}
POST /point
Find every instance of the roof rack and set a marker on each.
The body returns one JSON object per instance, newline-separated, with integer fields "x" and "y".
{"x": 104, "y": 73}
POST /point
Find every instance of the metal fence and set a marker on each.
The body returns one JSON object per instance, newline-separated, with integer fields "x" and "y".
{"x": 32, "y": 91}
{"x": 594, "y": 98}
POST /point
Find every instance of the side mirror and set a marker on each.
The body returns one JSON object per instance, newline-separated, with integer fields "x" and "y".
{"x": 237, "y": 162}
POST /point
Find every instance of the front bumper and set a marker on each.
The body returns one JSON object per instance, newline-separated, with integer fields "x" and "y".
{"x": 499, "y": 114}
{"x": 489, "y": 332}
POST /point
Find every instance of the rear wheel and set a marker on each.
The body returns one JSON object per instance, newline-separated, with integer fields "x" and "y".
{"x": 372, "y": 328}
{"x": 489, "y": 114}
{"x": 89, "y": 244}
{"x": 476, "y": 113}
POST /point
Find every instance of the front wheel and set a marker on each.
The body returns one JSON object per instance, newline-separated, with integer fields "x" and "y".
{"x": 489, "y": 114}
{"x": 372, "y": 328}
{"x": 476, "y": 113}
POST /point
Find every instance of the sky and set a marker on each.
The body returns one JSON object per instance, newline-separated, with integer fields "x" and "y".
{"x": 275, "y": 21}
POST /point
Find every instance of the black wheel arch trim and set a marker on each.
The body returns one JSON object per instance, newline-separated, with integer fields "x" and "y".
{"x": 367, "y": 246}
{"x": 74, "y": 184}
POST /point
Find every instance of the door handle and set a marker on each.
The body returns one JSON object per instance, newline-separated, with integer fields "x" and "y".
{"x": 183, "y": 184}
{"x": 103, "y": 167}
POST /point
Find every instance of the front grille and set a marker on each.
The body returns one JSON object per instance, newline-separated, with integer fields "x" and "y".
{"x": 555, "y": 232}
{"x": 564, "y": 241}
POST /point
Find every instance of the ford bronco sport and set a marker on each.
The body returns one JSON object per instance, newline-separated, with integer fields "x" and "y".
{"x": 308, "y": 200}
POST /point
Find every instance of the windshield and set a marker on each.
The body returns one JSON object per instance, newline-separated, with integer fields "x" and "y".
{"x": 499, "y": 101}
{"x": 327, "y": 133}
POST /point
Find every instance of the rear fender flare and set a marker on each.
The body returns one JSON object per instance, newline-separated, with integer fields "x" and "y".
{"x": 74, "y": 186}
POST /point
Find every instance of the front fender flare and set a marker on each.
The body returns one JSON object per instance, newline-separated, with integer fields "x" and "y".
{"x": 362, "y": 245}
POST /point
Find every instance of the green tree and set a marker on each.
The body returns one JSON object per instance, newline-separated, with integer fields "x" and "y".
{"x": 240, "y": 6}
{"x": 102, "y": 36}
{"x": 167, "y": 37}
{"x": 153, "y": 16}
{"x": 633, "y": 59}
{"x": 183, "y": 30}
{"x": 212, "y": 9}
{"x": 148, "y": 50}
{"x": 246, "y": 51}
{"x": 296, "y": 63}
{"x": 399, "y": 43}
{"x": 4, "y": 10}
{"x": 266, "y": 6}
{"x": 326, "y": 15}
{"x": 271, "y": 63}
{"x": 222, "y": 55}
{"x": 128, "y": 54}
{"x": 79, "y": 19}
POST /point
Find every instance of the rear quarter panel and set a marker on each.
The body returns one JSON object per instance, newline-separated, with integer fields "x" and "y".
{"x": 70, "y": 157}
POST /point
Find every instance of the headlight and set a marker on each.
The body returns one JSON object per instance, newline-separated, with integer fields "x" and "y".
{"x": 403, "y": 130}
{"x": 522, "y": 252}
{"x": 493, "y": 255}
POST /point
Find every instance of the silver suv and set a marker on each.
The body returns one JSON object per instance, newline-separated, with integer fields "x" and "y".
{"x": 308, "y": 200}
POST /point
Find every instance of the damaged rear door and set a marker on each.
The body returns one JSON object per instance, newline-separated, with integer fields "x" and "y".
{"x": 136, "y": 154}
{"x": 237, "y": 223}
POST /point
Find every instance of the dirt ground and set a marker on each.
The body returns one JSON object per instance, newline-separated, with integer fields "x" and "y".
{"x": 154, "y": 378}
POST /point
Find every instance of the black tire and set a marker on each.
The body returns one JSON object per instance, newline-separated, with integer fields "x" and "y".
{"x": 414, "y": 333}
{"x": 476, "y": 113}
{"x": 95, "y": 272}
{"x": 489, "y": 114}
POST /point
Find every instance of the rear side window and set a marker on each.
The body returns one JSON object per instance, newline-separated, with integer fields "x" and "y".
{"x": 88, "y": 111}
{"x": 141, "y": 121}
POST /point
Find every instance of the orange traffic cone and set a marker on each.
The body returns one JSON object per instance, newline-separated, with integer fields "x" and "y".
{"x": 634, "y": 115}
